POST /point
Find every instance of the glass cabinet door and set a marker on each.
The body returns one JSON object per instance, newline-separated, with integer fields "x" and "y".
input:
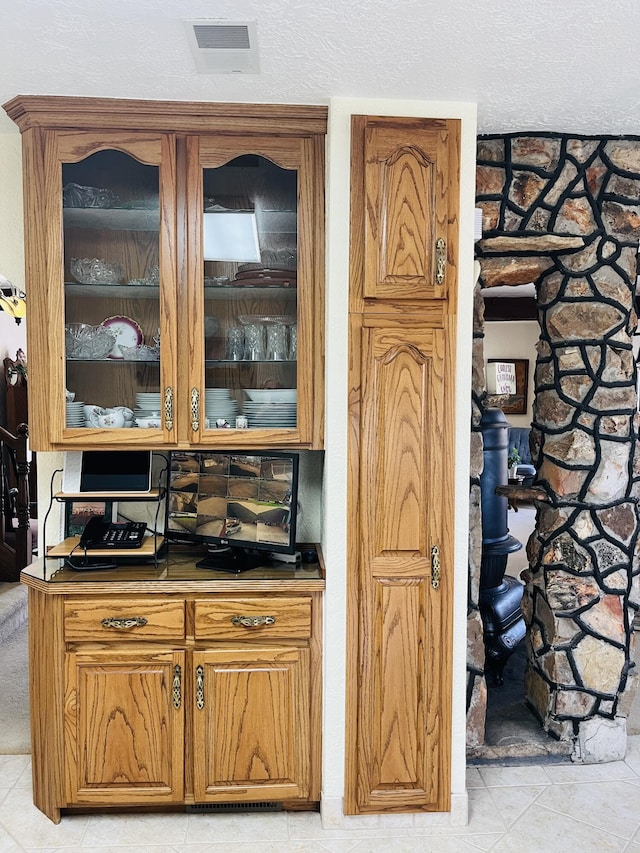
{"x": 119, "y": 286}
{"x": 249, "y": 282}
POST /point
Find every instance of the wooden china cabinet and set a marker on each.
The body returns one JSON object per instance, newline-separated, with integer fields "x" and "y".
{"x": 134, "y": 212}
{"x": 169, "y": 685}
{"x": 404, "y": 248}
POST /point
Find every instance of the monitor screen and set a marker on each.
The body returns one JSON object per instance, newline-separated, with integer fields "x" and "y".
{"x": 238, "y": 503}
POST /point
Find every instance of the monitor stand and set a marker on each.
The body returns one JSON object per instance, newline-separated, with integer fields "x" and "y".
{"x": 232, "y": 560}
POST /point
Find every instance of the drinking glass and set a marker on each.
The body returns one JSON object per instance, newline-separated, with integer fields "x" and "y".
{"x": 276, "y": 342}
{"x": 235, "y": 343}
{"x": 293, "y": 341}
{"x": 254, "y": 342}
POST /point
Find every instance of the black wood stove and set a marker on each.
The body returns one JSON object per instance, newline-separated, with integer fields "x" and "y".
{"x": 500, "y": 594}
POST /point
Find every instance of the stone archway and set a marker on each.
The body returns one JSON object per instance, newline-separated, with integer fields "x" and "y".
{"x": 565, "y": 210}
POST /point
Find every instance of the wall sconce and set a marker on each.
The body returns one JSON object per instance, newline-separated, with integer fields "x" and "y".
{"x": 231, "y": 235}
{"x": 12, "y": 300}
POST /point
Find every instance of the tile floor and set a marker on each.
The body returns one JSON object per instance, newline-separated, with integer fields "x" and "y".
{"x": 537, "y": 808}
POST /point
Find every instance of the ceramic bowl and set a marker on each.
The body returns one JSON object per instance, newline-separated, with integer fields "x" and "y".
{"x": 149, "y": 423}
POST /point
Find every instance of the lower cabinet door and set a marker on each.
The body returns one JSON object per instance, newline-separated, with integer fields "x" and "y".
{"x": 124, "y": 724}
{"x": 251, "y": 724}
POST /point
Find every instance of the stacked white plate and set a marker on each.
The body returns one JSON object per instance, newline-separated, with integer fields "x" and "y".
{"x": 270, "y": 415}
{"x": 218, "y": 403}
{"x": 75, "y": 414}
{"x": 147, "y": 404}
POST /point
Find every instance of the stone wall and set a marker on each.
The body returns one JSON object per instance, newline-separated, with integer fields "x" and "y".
{"x": 564, "y": 212}
{"x": 476, "y": 681}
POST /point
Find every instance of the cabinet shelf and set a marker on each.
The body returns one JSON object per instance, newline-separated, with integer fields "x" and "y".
{"x": 149, "y": 548}
{"x": 112, "y": 218}
{"x": 126, "y": 291}
{"x": 142, "y": 291}
{"x": 113, "y": 361}
{"x": 222, "y": 362}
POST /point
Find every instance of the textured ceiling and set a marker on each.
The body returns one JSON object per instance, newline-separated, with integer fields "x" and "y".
{"x": 544, "y": 65}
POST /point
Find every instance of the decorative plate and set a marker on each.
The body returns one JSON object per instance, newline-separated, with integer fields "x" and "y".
{"x": 128, "y": 333}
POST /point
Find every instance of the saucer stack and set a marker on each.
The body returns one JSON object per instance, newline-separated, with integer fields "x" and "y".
{"x": 218, "y": 403}
{"x": 75, "y": 414}
{"x": 147, "y": 404}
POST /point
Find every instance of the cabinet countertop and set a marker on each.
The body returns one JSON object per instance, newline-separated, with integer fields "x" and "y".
{"x": 175, "y": 572}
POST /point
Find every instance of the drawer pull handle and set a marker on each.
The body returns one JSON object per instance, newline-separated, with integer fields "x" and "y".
{"x": 177, "y": 687}
{"x": 124, "y": 624}
{"x": 199, "y": 688}
{"x": 253, "y": 621}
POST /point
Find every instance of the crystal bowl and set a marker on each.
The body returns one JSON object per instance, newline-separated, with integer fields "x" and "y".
{"x": 140, "y": 353}
{"x": 88, "y": 342}
{"x": 96, "y": 271}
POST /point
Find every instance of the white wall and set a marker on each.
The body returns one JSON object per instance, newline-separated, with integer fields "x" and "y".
{"x": 514, "y": 339}
{"x": 334, "y": 539}
{"x": 12, "y": 336}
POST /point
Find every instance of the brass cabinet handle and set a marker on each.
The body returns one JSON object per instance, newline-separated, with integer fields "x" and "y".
{"x": 435, "y": 567}
{"x": 253, "y": 621}
{"x": 195, "y": 409}
{"x": 441, "y": 259}
{"x": 168, "y": 407}
{"x": 177, "y": 687}
{"x": 199, "y": 688}
{"x": 124, "y": 624}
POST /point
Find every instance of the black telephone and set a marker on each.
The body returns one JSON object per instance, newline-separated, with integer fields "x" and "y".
{"x": 100, "y": 533}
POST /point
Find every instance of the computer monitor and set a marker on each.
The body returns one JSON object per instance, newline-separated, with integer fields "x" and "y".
{"x": 239, "y": 504}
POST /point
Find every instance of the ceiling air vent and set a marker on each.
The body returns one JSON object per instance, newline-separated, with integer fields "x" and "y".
{"x": 224, "y": 47}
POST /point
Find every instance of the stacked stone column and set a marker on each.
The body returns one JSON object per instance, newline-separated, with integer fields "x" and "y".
{"x": 580, "y": 587}
{"x": 564, "y": 212}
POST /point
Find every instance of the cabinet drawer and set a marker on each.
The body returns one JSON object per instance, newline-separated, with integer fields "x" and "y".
{"x": 248, "y": 618}
{"x": 108, "y": 619}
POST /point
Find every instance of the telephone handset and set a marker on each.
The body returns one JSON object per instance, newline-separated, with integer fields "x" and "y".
{"x": 100, "y": 533}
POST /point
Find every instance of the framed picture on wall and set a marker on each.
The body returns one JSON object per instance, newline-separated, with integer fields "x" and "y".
{"x": 515, "y": 404}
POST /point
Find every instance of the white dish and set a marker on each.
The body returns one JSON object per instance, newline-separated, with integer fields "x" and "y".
{"x": 149, "y": 423}
{"x": 272, "y": 395}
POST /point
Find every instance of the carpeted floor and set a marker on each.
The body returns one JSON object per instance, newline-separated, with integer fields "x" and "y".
{"x": 15, "y": 737}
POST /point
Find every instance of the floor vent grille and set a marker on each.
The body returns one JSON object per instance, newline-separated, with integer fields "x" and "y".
{"x": 234, "y": 807}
